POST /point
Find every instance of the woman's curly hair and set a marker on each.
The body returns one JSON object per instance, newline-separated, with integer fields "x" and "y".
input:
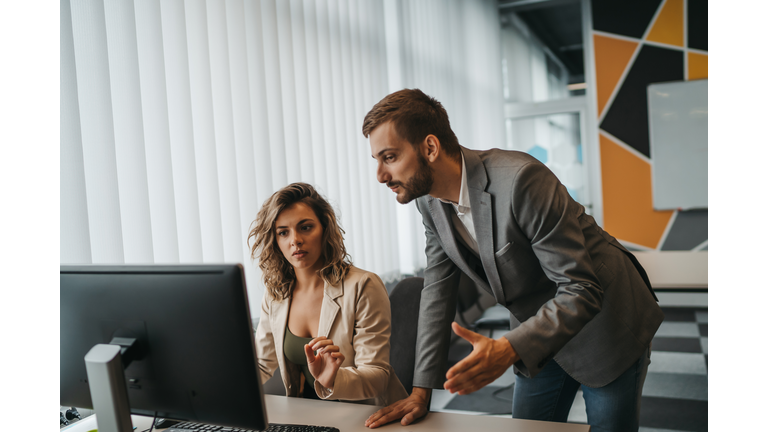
{"x": 277, "y": 271}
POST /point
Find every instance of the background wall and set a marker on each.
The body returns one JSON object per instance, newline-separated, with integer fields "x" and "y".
{"x": 637, "y": 43}
{"x": 180, "y": 117}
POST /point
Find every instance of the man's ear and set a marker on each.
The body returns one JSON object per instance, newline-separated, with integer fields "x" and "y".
{"x": 432, "y": 148}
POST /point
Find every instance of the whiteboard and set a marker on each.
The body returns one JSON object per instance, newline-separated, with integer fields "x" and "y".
{"x": 677, "y": 117}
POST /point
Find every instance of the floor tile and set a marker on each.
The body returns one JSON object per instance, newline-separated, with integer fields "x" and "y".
{"x": 674, "y": 414}
{"x": 673, "y": 362}
{"x": 678, "y": 329}
{"x": 675, "y": 392}
{"x": 678, "y": 344}
{"x": 679, "y": 314}
{"x": 677, "y": 386}
{"x": 701, "y": 317}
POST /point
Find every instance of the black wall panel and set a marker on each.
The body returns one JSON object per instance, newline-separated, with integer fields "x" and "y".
{"x": 627, "y": 117}
{"x": 697, "y": 24}
{"x": 623, "y": 17}
{"x": 689, "y": 230}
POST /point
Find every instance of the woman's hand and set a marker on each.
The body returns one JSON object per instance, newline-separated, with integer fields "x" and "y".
{"x": 326, "y": 363}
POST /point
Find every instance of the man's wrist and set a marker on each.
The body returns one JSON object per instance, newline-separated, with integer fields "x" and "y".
{"x": 513, "y": 356}
{"x": 422, "y": 393}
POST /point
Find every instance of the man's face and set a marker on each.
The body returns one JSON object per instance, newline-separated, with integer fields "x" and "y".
{"x": 400, "y": 166}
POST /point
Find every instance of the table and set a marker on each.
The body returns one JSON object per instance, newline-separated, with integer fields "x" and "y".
{"x": 349, "y": 417}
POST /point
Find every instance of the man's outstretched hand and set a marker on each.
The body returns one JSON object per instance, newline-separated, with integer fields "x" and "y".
{"x": 489, "y": 359}
{"x": 406, "y": 410}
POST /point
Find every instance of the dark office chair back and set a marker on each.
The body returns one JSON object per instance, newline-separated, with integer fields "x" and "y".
{"x": 404, "y": 301}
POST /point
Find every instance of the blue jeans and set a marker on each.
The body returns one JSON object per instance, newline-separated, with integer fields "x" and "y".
{"x": 549, "y": 395}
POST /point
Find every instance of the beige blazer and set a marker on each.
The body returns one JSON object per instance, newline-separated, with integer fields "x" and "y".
{"x": 355, "y": 314}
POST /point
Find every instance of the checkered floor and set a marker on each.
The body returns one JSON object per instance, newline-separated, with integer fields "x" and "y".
{"x": 675, "y": 391}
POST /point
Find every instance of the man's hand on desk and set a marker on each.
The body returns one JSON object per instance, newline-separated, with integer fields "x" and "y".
{"x": 408, "y": 409}
{"x": 489, "y": 359}
{"x": 326, "y": 363}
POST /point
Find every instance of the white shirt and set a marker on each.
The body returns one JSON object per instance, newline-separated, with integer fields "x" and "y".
{"x": 462, "y": 216}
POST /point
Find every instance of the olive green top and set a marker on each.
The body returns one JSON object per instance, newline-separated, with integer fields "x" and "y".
{"x": 293, "y": 347}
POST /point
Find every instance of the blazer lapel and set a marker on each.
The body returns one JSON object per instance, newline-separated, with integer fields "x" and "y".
{"x": 330, "y": 308}
{"x": 442, "y": 217}
{"x": 279, "y": 321}
{"x": 482, "y": 218}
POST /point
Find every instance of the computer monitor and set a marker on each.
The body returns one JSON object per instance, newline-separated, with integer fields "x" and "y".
{"x": 193, "y": 355}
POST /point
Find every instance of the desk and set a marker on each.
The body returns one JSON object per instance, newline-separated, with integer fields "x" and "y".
{"x": 350, "y": 417}
{"x": 679, "y": 270}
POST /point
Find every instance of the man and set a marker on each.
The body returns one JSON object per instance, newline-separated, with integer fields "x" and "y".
{"x": 583, "y": 310}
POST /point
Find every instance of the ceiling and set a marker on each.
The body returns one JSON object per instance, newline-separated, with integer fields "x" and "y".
{"x": 557, "y": 24}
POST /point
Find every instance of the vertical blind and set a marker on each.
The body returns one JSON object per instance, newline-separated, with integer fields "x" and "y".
{"x": 179, "y": 118}
{"x": 450, "y": 49}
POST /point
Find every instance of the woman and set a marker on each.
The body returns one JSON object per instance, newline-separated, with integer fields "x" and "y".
{"x": 324, "y": 322}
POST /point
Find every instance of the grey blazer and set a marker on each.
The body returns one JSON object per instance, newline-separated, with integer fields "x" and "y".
{"x": 577, "y": 296}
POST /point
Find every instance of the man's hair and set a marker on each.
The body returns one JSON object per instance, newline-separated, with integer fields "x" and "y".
{"x": 277, "y": 271}
{"x": 414, "y": 116}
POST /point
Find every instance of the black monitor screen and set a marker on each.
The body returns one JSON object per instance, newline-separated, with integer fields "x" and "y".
{"x": 195, "y": 357}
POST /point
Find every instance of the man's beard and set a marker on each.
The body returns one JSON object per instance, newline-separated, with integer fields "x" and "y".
{"x": 418, "y": 185}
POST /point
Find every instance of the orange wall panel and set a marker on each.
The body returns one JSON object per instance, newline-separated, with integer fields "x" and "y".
{"x": 611, "y": 58}
{"x": 698, "y": 66}
{"x": 628, "y": 212}
{"x": 668, "y": 28}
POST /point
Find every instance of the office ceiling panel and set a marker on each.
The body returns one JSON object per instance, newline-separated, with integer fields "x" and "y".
{"x": 558, "y": 26}
{"x": 627, "y": 116}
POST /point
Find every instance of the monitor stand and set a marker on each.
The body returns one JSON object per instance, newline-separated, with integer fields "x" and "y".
{"x": 106, "y": 379}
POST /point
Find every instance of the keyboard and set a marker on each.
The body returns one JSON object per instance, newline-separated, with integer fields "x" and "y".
{"x": 274, "y": 427}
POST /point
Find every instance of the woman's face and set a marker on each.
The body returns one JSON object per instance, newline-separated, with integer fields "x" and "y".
{"x": 300, "y": 236}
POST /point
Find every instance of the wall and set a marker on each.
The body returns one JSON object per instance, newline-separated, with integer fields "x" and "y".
{"x": 450, "y": 50}
{"x": 179, "y": 118}
{"x": 637, "y": 43}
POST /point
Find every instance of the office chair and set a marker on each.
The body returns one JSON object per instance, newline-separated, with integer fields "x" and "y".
{"x": 404, "y": 302}
{"x": 491, "y": 318}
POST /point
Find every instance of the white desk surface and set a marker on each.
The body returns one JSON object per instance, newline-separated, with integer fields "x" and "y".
{"x": 348, "y": 417}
